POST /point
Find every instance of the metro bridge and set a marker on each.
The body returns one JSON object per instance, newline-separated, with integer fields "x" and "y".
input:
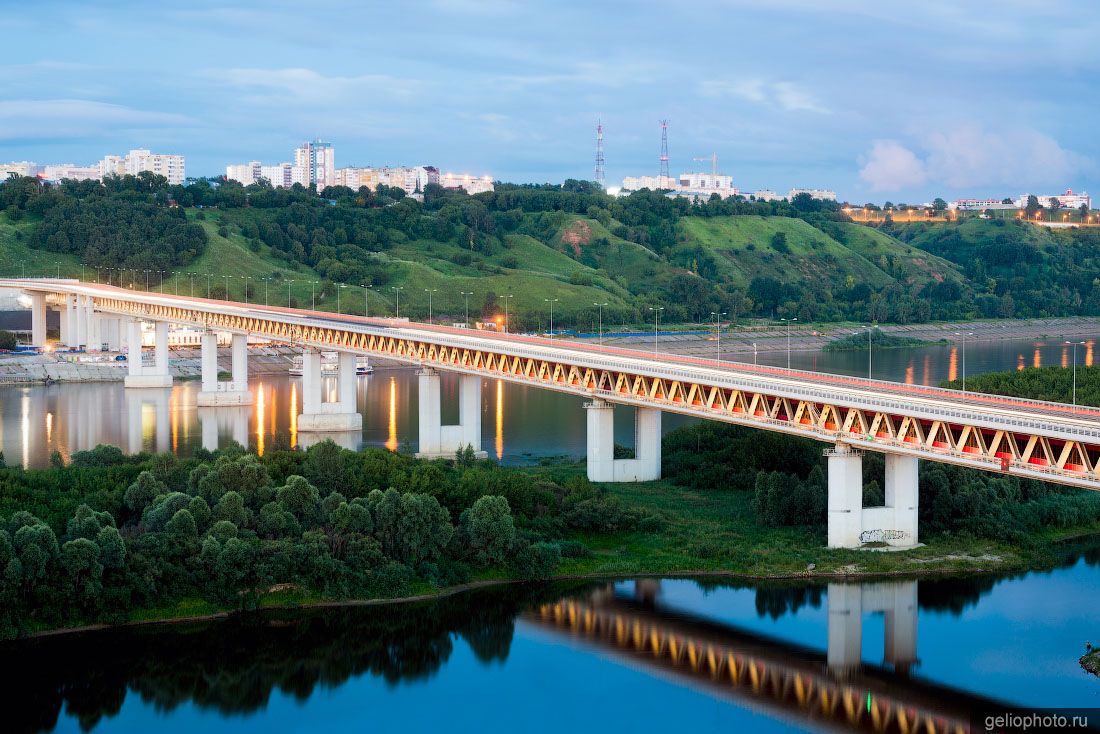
{"x": 1051, "y": 442}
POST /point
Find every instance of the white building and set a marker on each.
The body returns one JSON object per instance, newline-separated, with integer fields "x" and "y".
{"x": 319, "y": 160}
{"x": 285, "y": 175}
{"x": 767, "y": 195}
{"x": 822, "y": 194}
{"x": 974, "y": 205}
{"x": 171, "y": 166}
{"x": 19, "y": 168}
{"x": 470, "y": 184}
{"x": 708, "y": 182}
{"x": 1068, "y": 200}
{"x": 245, "y": 173}
{"x": 70, "y": 171}
{"x": 653, "y": 183}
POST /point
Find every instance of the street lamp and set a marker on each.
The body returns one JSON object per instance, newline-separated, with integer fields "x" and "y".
{"x": 870, "y": 330}
{"x": 430, "y": 291}
{"x": 754, "y": 354}
{"x": 466, "y": 296}
{"x": 508, "y": 297}
{"x": 366, "y": 298}
{"x": 58, "y": 264}
{"x": 1075, "y": 344}
{"x": 656, "y": 319}
{"x": 208, "y": 276}
{"x": 718, "y": 332}
{"x": 789, "y": 322}
{"x": 397, "y": 289}
{"x": 339, "y": 287}
{"x": 288, "y": 284}
{"x": 146, "y": 280}
{"x": 313, "y": 295}
{"x": 964, "y": 335}
{"x": 600, "y": 306}
{"x": 551, "y": 301}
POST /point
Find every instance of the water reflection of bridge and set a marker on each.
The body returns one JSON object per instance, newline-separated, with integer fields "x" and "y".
{"x": 785, "y": 679}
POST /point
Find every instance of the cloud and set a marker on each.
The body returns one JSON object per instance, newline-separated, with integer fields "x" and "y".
{"x": 784, "y": 95}
{"x": 972, "y": 156}
{"x": 56, "y": 118}
{"x": 308, "y": 86}
{"x": 891, "y": 166}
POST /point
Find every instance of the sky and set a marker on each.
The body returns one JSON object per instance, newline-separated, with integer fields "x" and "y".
{"x": 883, "y": 100}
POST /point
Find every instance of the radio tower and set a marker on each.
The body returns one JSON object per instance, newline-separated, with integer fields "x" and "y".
{"x": 600, "y": 173}
{"x": 664, "y": 149}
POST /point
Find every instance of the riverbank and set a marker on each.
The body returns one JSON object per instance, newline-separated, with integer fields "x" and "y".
{"x": 1090, "y": 661}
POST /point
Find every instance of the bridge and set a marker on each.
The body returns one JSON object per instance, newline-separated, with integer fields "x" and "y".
{"x": 798, "y": 684}
{"x": 1052, "y": 442}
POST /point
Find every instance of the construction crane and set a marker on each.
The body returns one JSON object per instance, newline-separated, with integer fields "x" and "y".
{"x": 713, "y": 158}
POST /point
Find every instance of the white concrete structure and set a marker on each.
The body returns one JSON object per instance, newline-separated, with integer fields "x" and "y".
{"x": 653, "y": 183}
{"x": 438, "y": 441}
{"x": 148, "y": 413}
{"x": 141, "y": 374}
{"x": 470, "y": 184}
{"x": 318, "y": 158}
{"x": 715, "y": 182}
{"x": 1068, "y": 200}
{"x": 71, "y": 172}
{"x": 850, "y": 523}
{"x": 822, "y": 194}
{"x": 216, "y": 421}
{"x": 172, "y": 167}
{"x": 338, "y": 414}
{"x": 244, "y": 173}
{"x": 19, "y": 168}
{"x": 602, "y": 464}
{"x": 897, "y": 602}
{"x": 38, "y": 319}
{"x": 233, "y": 391}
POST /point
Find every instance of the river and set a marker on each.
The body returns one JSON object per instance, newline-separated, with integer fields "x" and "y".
{"x": 583, "y": 657}
{"x": 519, "y": 423}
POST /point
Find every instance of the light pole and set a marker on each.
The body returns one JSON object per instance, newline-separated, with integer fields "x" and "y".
{"x": 789, "y": 321}
{"x": 600, "y": 306}
{"x": 430, "y": 291}
{"x": 58, "y": 264}
{"x": 656, "y": 320}
{"x": 267, "y": 291}
{"x": 508, "y": 298}
{"x": 313, "y": 295}
{"x": 870, "y": 330}
{"x": 397, "y": 289}
{"x": 718, "y": 332}
{"x": 964, "y": 335}
{"x": 1075, "y": 369}
{"x": 227, "y": 288}
{"x": 288, "y": 284}
{"x": 208, "y": 276}
{"x": 339, "y": 287}
{"x": 147, "y": 280}
{"x": 366, "y": 299}
{"x": 754, "y": 354}
{"x": 245, "y": 278}
{"x": 466, "y": 296}
{"x": 551, "y": 301}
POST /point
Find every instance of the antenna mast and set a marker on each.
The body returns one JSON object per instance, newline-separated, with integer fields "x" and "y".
{"x": 600, "y": 172}
{"x": 664, "y": 149}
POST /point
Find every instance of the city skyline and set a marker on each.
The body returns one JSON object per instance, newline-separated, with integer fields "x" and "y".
{"x": 956, "y": 103}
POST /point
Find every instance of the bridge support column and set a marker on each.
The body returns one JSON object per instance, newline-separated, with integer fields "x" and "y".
{"x": 38, "y": 319}
{"x": 438, "y": 441}
{"x": 845, "y": 627}
{"x": 68, "y": 323}
{"x": 94, "y": 342}
{"x": 156, "y": 375}
{"x": 602, "y": 464}
{"x": 230, "y": 392}
{"x": 850, "y": 523}
{"x": 897, "y": 601}
{"x": 111, "y": 331}
{"x": 80, "y": 313}
{"x": 335, "y": 416}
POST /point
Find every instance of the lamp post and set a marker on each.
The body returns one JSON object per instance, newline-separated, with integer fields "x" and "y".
{"x": 366, "y": 298}
{"x": 227, "y": 287}
{"x": 870, "y": 330}
{"x": 58, "y": 264}
{"x": 1075, "y": 369}
{"x": 313, "y": 295}
{"x": 146, "y": 280}
{"x": 288, "y": 284}
{"x": 466, "y": 296}
{"x": 208, "y": 276}
{"x": 430, "y": 291}
{"x": 600, "y": 306}
{"x": 718, "y": 332}
{"x": 656, "y": 320}
{"x": 551, "y": 301}
{"x": 267, "y": 291}
{"x": 964, "y": 335}
{"x": 397, "y": 289}
{"x": 339, "y": 287}
{"x": 508, "y": 297}
{"x": 789, "y": 322}
{"x": 754, "y": 354}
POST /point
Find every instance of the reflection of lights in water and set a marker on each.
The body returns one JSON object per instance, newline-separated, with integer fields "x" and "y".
{"x": 909, "y": 373}
{"x": 1037, "y": 358}
{"x": 953, "y": 364}
{"x": 1088, "y": 353}
{"x": 49, "y": 427}
{"x": 260, "y": 420}
{"x": 926, "y": 376}
{"x": 1020, "y": 363}
{"x": 293, "y": 414}
{"x": 174, "y": 412}
{"x": 25, "y": 429}
{"x": 391, "y": 441}
{"x": 148, "y": 424}
{"x": 1065, "y": 357}
{"x": 273, "y": 411}
{"x": 500, "y": 419}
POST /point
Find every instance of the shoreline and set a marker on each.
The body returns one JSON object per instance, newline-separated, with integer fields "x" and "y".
{"x": 490, "y": 583}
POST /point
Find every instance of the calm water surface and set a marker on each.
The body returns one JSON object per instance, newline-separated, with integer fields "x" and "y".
{"x": 515, "y": 660}
{"x": 519, "y": 423}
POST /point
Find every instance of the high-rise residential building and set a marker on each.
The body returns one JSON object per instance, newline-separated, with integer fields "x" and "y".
{"x": 70, "y": 171}
{"x": 245, "y": 173}
{"x": 140, "y": 159}
{"x": 822, "y": 194}
{"x": 470, "y": 184}
{"x": 319, "y": 160}
{"x": 285, "y": 175}
{"x": 18, "y": 168}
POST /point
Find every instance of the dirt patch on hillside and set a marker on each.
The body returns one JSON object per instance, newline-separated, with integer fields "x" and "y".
{"x": 577, "y": 234}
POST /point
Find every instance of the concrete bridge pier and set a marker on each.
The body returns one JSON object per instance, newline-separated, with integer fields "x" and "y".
{"x": 850, "y": 523}
{"x": 602, "y": 464}
{"x": 68, "y": 323}
{"x": 228, "y": 392}
{"x": 142, "y": 375}
{"x": 338, "y": 415}
{"x": 214, "y": 421}
{"x": 93, "y": 341}
{"x": 38, "y": 319}
{"x": 438, "y": 441}
{"x": 847, "y": 604}
{"x": 155, "y": 421}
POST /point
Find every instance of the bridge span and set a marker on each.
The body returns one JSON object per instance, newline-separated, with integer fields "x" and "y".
{"x": 1052, "y": 442}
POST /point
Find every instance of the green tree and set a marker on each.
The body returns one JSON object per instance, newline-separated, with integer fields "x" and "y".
{"x": 490, "y": 530}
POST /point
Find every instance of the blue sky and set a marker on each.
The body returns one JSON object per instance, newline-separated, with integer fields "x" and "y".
{"x": 878, "y": 100}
